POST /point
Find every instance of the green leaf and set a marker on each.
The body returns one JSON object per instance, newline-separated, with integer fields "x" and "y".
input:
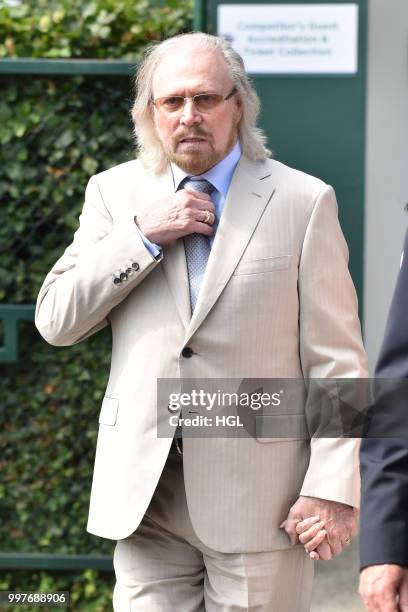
{"x": 19, "y": 129}
{"x": 90, "y": 165}
{"x": 89, "y": 10}
{"x": 65, "y": 139}
{"x": 44, "y": 23}
{"x": 58, "y": 52}
{"x": 13, "y": 171}
{"x": 5, "y": 134}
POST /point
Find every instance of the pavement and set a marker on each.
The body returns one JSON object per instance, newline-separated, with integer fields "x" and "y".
{"x": 336, "y": 583}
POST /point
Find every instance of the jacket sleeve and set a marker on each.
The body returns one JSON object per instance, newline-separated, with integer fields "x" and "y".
{"x": 384, "y": 461}
{"x": 330, "y": 345}
{"x": 103, "y": 264}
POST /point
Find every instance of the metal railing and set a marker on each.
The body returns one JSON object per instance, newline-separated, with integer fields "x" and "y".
{"x": 41, "y": 561}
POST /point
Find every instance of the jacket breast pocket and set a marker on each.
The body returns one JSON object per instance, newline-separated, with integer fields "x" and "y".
{"x": 281, "y": 428}
{"x": 109, "y": 411}
{"x": 263, "y": 265}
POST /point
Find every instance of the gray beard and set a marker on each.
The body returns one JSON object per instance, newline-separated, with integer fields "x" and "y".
{"x": 195, "y": 164}
{"x": 192, "y": 164}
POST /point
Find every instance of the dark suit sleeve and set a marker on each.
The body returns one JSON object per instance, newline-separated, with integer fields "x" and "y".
{"x": 384, "y": 461}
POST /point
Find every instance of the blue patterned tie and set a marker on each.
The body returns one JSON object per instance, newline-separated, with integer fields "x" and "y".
{"x": 197, "y": 246}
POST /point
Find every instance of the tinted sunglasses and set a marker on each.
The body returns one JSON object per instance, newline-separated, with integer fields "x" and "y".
{"x": 203, "y": 102}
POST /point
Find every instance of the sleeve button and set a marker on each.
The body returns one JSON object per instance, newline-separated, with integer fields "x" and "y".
{"x": 123, "y": 276}
{"x": 135, "y": 265}
{"x": 117, "y": 280}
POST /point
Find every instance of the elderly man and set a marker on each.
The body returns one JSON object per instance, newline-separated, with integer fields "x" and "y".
{"x": 209, "y": 260}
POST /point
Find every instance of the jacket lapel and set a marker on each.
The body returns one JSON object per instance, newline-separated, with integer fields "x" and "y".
{"x": 175, "y": 271}
{"x": 250, "y": 191}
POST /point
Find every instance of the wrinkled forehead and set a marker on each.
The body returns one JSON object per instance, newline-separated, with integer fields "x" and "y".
{"x": 189, "y": 69}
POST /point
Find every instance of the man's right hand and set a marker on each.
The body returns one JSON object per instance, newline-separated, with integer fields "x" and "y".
{"x": 176, "y": 216}
{"x": 384, "y": 588}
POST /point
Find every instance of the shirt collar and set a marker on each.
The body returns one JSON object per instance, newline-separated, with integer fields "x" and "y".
{"x": 219, "y": 175}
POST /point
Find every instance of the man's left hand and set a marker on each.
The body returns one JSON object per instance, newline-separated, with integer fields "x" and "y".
{"x": 337, "y": 524}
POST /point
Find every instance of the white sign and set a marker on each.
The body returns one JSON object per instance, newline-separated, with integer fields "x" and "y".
{"x": 293, "y": 38}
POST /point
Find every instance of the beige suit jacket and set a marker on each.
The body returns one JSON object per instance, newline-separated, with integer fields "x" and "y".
{"x": 277, "y": 300}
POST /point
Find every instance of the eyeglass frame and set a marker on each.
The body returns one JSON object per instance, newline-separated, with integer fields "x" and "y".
{"x": 203, "y": 93}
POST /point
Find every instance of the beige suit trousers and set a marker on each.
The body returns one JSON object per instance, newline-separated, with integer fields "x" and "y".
{"x": 164, "y": 567}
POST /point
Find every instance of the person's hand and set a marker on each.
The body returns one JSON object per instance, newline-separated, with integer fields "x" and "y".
{"x": 329, "y": 528}
{"x": 384, "y": 588}
{"x": 312, "y": 534}
{"x": 185, "y": 212}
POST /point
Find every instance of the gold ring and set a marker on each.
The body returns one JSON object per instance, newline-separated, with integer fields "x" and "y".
{"x": 207, "y": 216}
{"x": 347, "y": 541}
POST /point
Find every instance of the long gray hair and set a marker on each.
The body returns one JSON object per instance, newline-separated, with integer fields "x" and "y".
{"x": 149, "y": 148}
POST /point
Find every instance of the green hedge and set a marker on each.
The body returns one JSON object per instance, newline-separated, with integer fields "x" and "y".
{"x": 96, "y": 28}
{"x": 54, "y": 133}
{"x": 89, "y": 591}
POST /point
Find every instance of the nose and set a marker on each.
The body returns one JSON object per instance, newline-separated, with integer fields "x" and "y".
{"x": 190, "y": 114}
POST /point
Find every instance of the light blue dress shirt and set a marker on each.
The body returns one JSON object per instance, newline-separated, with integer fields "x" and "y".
{"x": 220, "y": 176}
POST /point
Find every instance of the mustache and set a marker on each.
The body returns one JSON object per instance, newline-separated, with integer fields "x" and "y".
{"x": 192, "y": 133}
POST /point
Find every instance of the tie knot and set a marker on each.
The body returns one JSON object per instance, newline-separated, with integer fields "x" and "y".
{"x": 201, "y": 185}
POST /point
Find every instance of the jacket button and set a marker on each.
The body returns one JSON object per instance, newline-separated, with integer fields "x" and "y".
{"x": 187, "y": 352}
{"x": 135, "y": 265}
